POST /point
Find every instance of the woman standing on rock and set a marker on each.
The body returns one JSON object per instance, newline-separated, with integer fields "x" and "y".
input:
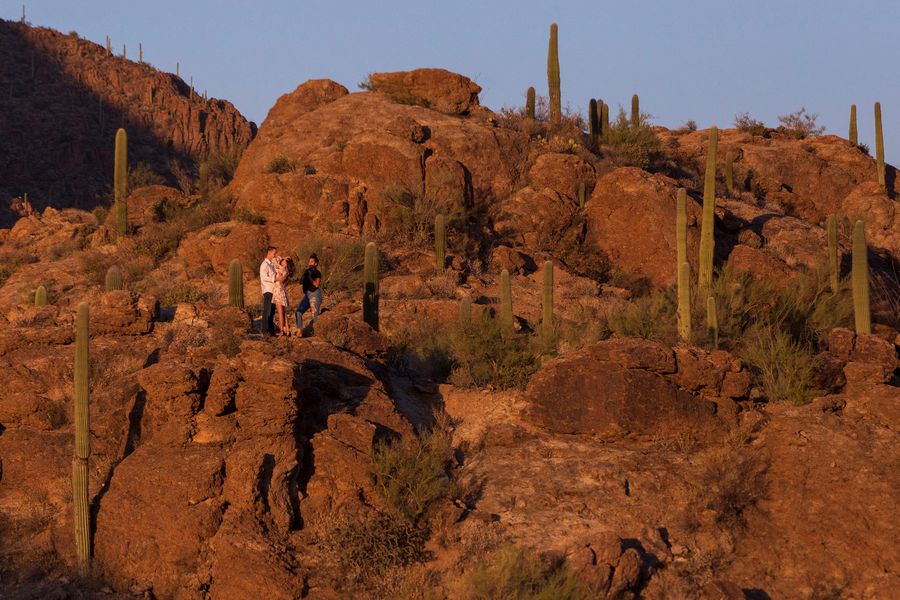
{"x": 283, "y": 269}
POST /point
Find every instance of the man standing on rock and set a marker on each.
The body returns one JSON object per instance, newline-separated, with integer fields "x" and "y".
{"x": 267, "y": 276}
{"x": 312, "y": 292}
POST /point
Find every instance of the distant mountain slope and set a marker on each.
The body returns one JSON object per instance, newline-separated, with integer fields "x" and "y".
{"x": 62, "y": 99}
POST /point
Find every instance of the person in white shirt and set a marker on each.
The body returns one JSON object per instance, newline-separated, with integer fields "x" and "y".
{"x": 267, "y": 276}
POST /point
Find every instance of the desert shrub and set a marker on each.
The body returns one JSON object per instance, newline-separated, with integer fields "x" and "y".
{"x": 216, "y": 208}
{"x": 220, "y": 167}
{"x": 56, "y": 413}
{"x": 281, "y": 164}
{"x": 182, "y": 293}
{"x": 5, "y": 272}
{"x": 341, "y": 262}
{"x": 245, "y": 215}
{"x": 141, "y": 175}
{"x": 442, "y": 285}
{"x": 744, "y": 122}
{"x": 366, "y": 547}
{"x": 730, "y": 483}
{"x": 158, "y": 240}
{"x": 629, "y": 145}
{"x": 586, "y": 327}
{"x": 652, "y": 317}
{"x": 419, "y": 349}
{"x": 800, "y": 124}
{"x": 512, "y": 573}
{"x": 100, "y": 213}
{"x": 784, "y": 366}
{"x": 94, "y": 265}
{"x": 484, "y": 355}
{"x": 166, "y": 209}
{"x": 411, "y": 472}
{"x": 410, "y": 217}
{"x": 688, "y": 127}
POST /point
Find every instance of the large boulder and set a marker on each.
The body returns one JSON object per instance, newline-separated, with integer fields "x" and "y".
{"x": 562, "y": 173}
{"x": 437, "y": 89}
{"x": 869, "y": 202}
{"x": 613, "y": 389}
{"x": 631, "y": 217}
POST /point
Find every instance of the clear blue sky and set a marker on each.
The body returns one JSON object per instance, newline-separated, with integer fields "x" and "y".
{"x": 704, "y": 60}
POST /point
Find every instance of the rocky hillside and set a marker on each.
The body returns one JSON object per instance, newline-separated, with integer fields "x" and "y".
{"x": 62, "y": 100}
{"x": 446, "y": 453}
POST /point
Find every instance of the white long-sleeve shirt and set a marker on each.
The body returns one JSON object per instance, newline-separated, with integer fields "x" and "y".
{"x": 267, "y": 276}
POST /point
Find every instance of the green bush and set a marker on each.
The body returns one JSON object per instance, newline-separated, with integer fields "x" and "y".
{"x": 513, "y": 573}
{"x": 419, "y": 349}
{"x": 141, "y": 175}
{"x": 281, "y": 164}
{"x": 182, "y": 293}
{"x": 800, "y": 124}
{"x": 411, "y": 472}
{"x": 220, "y": 168}
{"x": 484, "y": 355}
{"x": 629, "y": 145}
{"x": 410, "y": 217}
{"x": 340, "y": 261}
{"x": 366, "y": 547}
{"x": 245, "y": 215}
{"x": 744, "y": 122}
{"x": 783, "y": 366}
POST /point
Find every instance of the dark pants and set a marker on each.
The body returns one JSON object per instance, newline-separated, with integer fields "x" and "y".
{"x": 267, "y": 323}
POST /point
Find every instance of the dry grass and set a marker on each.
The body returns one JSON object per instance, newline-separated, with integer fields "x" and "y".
{"x": 514, "y": 573}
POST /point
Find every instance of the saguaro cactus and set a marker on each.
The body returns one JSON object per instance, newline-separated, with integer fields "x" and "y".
{"x": 594, "y": 123}
{"x": 879, "y": 143}
{"x": 635, "y": 111}
{"x": 833, "y": 257}
{"x": 604, "y": 119}
{"x": 712, "y": 321}
{"x": 236, "y": 284}
{"x": 547, "y": 304}
{"x": 684, "y": 301}
{"x": 370, "y": 286}
{"x": 853, "y": 136}
{"x": 506, "y": 311}
{"x": 707, "y": 239}
{"x": 860, "y": 280}
{"x": 465, "y": 311}
{"x": 681, "y": 226}
{"x": 553, "y": 75}
{"x": 529, "y": 103}
{"x": 40, "y": 296}
{"x": 582, "y": 193}
{"x": 113, "y": 279}
{"x": 120, "y": 183}
{"x": 440, "y": 242}
{"x": 82, "y": 444}
{"x": 729, "y": 173}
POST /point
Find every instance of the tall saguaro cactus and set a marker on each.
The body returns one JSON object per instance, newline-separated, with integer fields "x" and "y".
{"x": 113, "y": 279}
{"x": 553, "y": 75}
{"x": 529, "y": 103}
{"x": 853, "y": 136}
{"x": 120, "y": 183}
{"x": 684, "y": 301}
{"x": 440, "y": 242}
{"x": 236, "y": 284}
{"x": 506, "y": 311}
{"x": 879, "y": 143}
{"x": 40, "y": 296}
{"x": 860, "y": 280}
{"x": 594, "y": 123}
{"x": 729, "y": 173}
{"x": 707, "y": 239}
{"x": 712, "y": 321}
{"x": 465, "y": 311}
{"x": 547, "y": 304}
{"x": 604, "y": 119}
{"x": 833, "y": 257}
{"x": 681, "y": 226}
{"x": 82, "y": 444}
{"x": 635, "y": 111}
{"x": 370, "y": 286}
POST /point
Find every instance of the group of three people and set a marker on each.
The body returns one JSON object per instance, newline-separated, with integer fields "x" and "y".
{"x": 274, "y": 273}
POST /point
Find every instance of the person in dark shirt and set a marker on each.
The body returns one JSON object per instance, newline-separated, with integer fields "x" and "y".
{"x": 311, "y": 282}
